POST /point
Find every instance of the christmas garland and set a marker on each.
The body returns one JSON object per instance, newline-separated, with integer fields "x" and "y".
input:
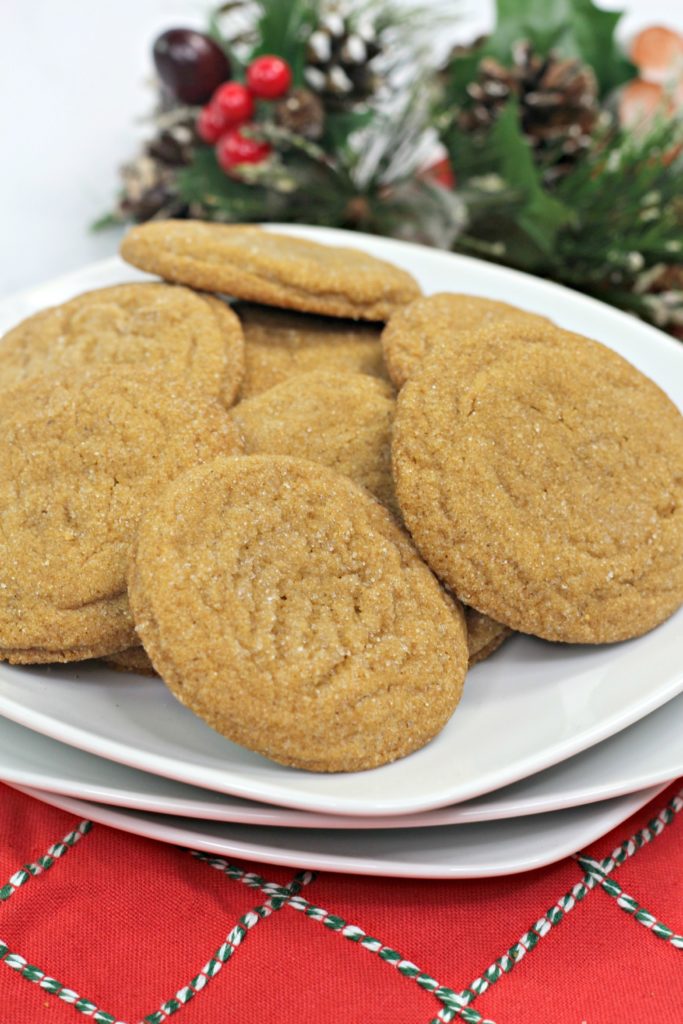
{"x": 560, "y": 154}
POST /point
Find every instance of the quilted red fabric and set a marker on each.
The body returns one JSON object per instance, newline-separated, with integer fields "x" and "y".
{"x": 117, "y": 928}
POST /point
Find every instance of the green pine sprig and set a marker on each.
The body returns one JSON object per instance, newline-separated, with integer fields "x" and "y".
{"x": 611, "y": 222}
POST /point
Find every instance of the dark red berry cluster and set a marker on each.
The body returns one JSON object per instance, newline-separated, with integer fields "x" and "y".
{"x": 231, "y": 107}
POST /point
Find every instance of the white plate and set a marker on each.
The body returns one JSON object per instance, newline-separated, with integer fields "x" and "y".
{"x": 531, "y": 706}
{"x": 448, "y": 851}
{"x": 646, "y": 754}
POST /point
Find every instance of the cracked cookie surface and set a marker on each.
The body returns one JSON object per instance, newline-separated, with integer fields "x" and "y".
{"x": 161, "y": 327}
{"x": 80, "y": 456}
{"x": 439, "y": 319}
{"x": 284, "y": 606}
{"x": 279, "y": 344}
{"x": 541, "y": 476}
{"x": 279, "y": 270}
{"x": 342, "y": 420}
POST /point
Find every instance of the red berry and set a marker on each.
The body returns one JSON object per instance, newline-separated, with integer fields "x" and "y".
{"x": 269, "y": 77}
{"x": 234, "y": 102}
{"x": 210, "y": 124}
{"x": 190, "y": 64}
{"x": 234, "y": 149}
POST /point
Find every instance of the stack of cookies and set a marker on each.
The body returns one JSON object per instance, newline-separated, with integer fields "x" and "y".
{"x": 310, "y": 511}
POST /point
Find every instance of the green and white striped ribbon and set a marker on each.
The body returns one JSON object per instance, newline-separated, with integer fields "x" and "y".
{"x": 29, "y": 871}
{"x": 627, "y": 903}
{"x": 530, "y": 939}
{"x": 55, "y": 988}
{"x": 453, "y": 1004}
{"x": 18, "y": 963}
{"x": 277, "y": 897}
{"x": 213, "y": 966}
{"x": 337, "y": 924}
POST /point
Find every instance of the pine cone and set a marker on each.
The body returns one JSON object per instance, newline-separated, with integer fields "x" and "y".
{"x": 149, "y": 181}
{"x": 174, "y": 146}
{"x": 558, "y": 101}
{"x": 149, "y": 191}
{"x": 301, "y": 112}
{"x": 339, "y": 60}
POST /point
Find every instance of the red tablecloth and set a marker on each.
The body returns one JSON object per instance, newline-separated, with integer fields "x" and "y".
{"x": 102, "y": 925}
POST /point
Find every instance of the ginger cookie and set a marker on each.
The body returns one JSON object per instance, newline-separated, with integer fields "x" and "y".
{"x": 233, "y": 340}
{"x": 80, "y": 457}
{"x": 161, "y": 327}
{"x": 342, "y": 420}
{"x": 133, "y": 659}
{"x": 541, "y": 476}
{"x": 484, "y": 635}
{"x": 279, "y": 270}
{"x": 437, "y": 319}
{"x": 280, "y": 344}
{"x": 283, "y": 605}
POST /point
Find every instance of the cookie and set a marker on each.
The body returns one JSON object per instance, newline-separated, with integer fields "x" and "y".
{"x": 233, "y": 341}
{"x": 283, "y": 605}
{"x": 484, "y": 635}
{"x": 280, "y": 344}
{"x": 342, "y": 420}
{"x": 165, "y": 328}
{"x": 80, "y": 457}
{"x": 278, "y": 270}
{"x": 437, "y": 319}
{"x": 541, "y": 476}
{"x": 133, "y": 659}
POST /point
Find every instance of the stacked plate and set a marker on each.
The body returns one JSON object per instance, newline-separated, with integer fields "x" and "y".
{"x": 551, "y": 746}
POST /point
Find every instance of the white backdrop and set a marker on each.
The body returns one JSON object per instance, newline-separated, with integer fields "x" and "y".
{"x": 72, "y": 85}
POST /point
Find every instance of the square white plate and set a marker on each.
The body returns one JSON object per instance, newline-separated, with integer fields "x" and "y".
{"x": 449, "y": 851}
{"x": 530, "y": 706}
{"x": 648, "y": 753}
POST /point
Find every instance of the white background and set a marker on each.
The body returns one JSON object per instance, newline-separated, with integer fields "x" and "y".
{"x": 73, "y": 85}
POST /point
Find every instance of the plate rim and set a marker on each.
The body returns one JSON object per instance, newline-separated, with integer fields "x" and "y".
{"x": 279, "y": 793}
{"x": 161, "y": 832}
{"x": 52, "y": 780}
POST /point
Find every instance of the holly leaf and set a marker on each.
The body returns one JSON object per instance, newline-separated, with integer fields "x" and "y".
{"x": 524, "y": 230}
{"x": 313, "y": 192}
{"x": 283, "y": 29}
{"x": 214, "y": 30}
{"x": 204, "y": 182}
{"x": 572, "y": 28}
{"x": 106, "y": 221}
{"x": 459, "y": 73}
{"x": 202, "y": 178}
{"x": 540, "y": 214}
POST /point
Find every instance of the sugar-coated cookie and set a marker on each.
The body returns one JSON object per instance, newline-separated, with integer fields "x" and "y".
{"x": 133, "y": 659}
{"x": 165, "y": 328}
{"x": 342, "y": 420}
{"x": 262, "y": 266}
{"x": 80, "y": 457}
{"x": 438, "y": 319}
{"x": 541, "y": 477}
{"x": 280, "y": 344}
{"x": 484, "y": 635}
{"x": 284, "y": 606}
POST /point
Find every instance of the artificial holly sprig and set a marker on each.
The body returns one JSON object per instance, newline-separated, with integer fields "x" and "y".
{"x": 232, "y": 108}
